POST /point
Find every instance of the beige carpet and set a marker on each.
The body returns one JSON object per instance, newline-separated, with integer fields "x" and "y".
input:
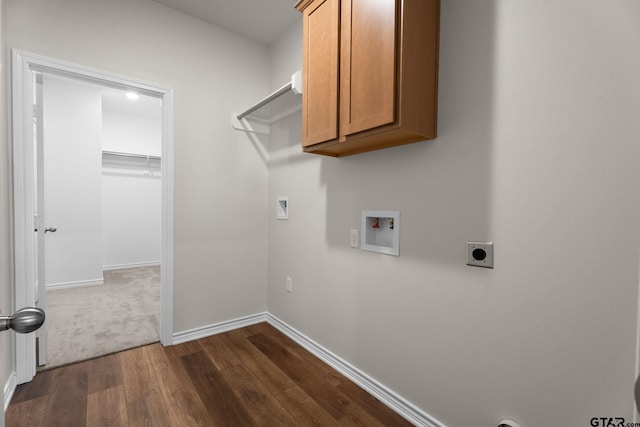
{"x": 87, "y": 322}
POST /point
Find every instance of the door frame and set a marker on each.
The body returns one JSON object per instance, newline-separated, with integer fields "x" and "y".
{"x": 23, "y": 187}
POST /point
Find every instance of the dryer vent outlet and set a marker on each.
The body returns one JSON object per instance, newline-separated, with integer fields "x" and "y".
{"x": 508, "y": 423}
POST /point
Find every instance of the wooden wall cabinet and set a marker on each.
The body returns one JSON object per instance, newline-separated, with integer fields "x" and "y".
{"x": 370, "y": 74}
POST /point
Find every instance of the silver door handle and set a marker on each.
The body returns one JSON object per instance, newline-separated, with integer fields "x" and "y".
{"x": 51, "y": 229}
{"x": 23, "y": 321}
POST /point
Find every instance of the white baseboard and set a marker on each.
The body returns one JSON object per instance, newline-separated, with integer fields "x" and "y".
{"x": 387, "y": 396}
{"x": 218, "y": 328}
{"x": 9, "y": 389}
{"x": 78, "y": 284}
{"x": 132, "y": 265}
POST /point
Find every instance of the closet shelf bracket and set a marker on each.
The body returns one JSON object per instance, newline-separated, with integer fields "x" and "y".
{"x": 279, "y": 104}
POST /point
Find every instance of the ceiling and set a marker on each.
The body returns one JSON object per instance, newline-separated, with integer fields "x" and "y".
{"x": 259, "y": 20}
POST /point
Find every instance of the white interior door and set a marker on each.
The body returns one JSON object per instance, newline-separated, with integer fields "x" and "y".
{"x": 40, "y": 221}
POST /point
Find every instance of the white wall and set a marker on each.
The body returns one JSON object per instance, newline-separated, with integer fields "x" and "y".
{"x": 131, "y": 195}
{"x": 133, "y": 133}
{"x": 220, "y": 178}
{"x": 73, "y": 183}
{"x": 538, "y": 151}
{"x": 6, "y": 235}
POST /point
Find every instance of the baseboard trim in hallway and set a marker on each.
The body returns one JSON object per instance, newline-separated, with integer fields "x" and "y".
{"x": 218, "y": 328}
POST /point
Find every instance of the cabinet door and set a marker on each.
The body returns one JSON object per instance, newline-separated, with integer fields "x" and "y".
{"x": 320, "y": 66}
{"x": 368, "y": 64}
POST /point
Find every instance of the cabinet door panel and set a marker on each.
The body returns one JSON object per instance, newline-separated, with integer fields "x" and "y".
{"x": 368, "y": 64}
{"x": 320, "y": 62}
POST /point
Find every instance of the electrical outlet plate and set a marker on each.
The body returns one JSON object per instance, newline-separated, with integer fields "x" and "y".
{"x": 289, "y": 284}
{"x": 480, "y": 254}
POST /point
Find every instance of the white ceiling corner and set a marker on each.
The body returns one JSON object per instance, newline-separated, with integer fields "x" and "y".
{"x": 260, "y": 20}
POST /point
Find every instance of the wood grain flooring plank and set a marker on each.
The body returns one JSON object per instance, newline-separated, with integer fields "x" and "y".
{"x": 365, "y": 410}
{"x": 39, "y": 386}
{"x": 293, "y": 399}
{"x": 316, "y": 378}
{"x": 149, "y": 411}
{"x": 219, "y": 353}
{"x": 145, "y": 381}
{"x": 333, "y": 376}
{"x": 256, "y": 362}
{"x": 304, "y": 409}
{"x": 189, "y": 347}
{"x": 27, "y": 413}
{"x": 184, "y": 406}
{"x": 174, "y": 357}
{"x": 224, "y": 408}
{"x": 247, "y": 330}
{"x": 107, "y": 407}
{"x": 138, "y": 377}
{"x": 105, "y": 372}
{"x": 357, "y": 417}
{"x": 67, "y": 405}
{"x": 264, "y": 409}
{"x": 304, "y": 375}
{"x": 371, "y": 405}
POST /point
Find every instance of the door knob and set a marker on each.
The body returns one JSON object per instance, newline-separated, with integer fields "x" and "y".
{"x": 51, "y": 229}
{"x": 23, "y": 321}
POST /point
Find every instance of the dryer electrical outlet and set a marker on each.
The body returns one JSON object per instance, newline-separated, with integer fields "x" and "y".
{"x": 480, "y": 254}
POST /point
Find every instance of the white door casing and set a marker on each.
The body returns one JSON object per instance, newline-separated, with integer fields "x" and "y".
{"x": 24, "y": 66}
{"x": 40, "y": 218}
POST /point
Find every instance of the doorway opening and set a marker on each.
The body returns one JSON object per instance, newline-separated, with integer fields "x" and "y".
{"x": 102, "y": 193}
{"x": 113, "y": 182}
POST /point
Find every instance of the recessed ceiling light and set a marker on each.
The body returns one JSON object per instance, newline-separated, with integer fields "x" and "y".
{"x": 132, "y": 95}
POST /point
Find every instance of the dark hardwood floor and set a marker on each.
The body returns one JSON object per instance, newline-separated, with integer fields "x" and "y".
{"x": 254, "y": 376}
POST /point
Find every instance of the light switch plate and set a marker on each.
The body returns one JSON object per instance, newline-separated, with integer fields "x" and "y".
{"x": 355, "y": 238}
